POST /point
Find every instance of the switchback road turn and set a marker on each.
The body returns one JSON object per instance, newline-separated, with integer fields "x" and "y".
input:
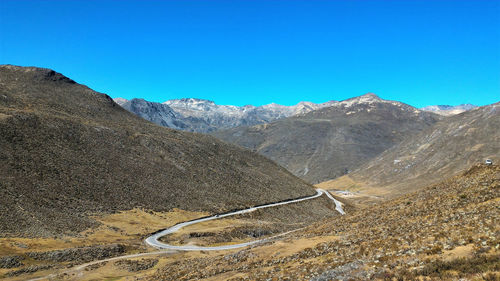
{"x": 167, "y": 249}
{"x": 153, "y": 240}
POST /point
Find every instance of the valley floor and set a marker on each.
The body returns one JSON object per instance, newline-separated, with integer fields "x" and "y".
{"x": 117, "y": 244}
{"x": 448, "y": 231}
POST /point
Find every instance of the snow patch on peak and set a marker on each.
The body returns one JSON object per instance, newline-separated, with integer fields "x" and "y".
{"x": 189, "y": 100}
{"x": 120, "y": 101}
{"x": 368, "y": 98}
{"x": 448, "y": 110}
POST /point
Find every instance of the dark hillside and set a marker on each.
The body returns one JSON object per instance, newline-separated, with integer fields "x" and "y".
{"x": 67, "y": 151}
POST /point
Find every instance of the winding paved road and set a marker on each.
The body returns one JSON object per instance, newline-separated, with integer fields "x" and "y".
{"x": 153, "y": 240}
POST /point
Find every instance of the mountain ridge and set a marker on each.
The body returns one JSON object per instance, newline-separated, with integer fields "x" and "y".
{"x": 203, "y": 116}
{"x": 190, "y": 111}
{"x": 330, "y": 142}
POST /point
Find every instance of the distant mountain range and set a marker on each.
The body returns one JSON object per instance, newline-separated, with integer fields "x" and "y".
{"x": 332, "y": 141}
{"x": 314, "y": 141}
{"x": 448, "y": 110}
{"x": 203, "y": 116}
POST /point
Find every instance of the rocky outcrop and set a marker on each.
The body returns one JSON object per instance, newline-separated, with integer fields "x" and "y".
{"x": 11, "y": 261}
{"x": 30, "y": 269}
{"x": 136, "y": 265}
{"x": 79, "y": 255}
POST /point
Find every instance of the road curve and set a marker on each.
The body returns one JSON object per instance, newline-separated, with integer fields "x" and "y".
{"x": 153, "y": 240}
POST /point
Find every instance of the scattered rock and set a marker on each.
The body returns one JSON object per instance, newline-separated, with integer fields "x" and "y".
{"x": 136, "y": 265}
{"x": 30, "y": 269}
{"x": 11, "y": 261}
{"x": 84, "y": 254}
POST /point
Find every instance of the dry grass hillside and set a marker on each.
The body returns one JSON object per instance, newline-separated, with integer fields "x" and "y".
{"x": 68, "y": 152}
{"x": 330, "y": 142}
{"x": 451, "y": 146}
{"x": 447, "y": 231}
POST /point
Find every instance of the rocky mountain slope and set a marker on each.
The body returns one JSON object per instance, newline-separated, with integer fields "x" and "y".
{"x": 158, "y": 113}
{"x": 442, "y": 150}
{"x": 197, "y": 115}
{"x": 68, "y": 152}
{"x": 330, "y": 142}
{"x": 448, "y": 110}
{"x": 447, "y": 231}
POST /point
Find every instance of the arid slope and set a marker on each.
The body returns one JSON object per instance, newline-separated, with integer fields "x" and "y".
{"x": 451, "y": 146}
{"x": 448, "y": 231}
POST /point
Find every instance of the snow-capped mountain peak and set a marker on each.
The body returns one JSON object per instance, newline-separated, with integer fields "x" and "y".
{"x": 202, "y": 115}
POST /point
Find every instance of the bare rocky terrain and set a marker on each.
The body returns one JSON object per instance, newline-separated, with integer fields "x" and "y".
{"x": 68, "y": 152}
{"x": 137, "y": 265}
{"x": 330, "y": 142}
{"x": 79, "y": 255}
{"x": 203, "y": 116}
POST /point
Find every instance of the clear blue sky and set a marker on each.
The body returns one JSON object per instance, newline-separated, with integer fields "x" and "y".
{"x": 258, "y": 52}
